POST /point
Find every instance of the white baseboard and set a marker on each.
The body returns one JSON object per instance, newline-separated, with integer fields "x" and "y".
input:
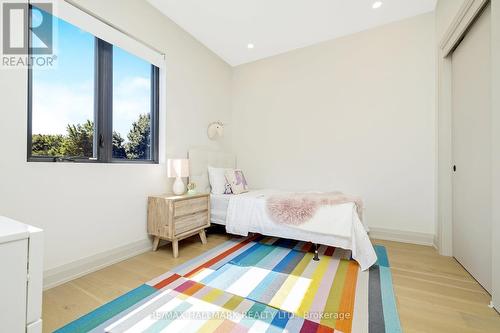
{"x": 495, "y": 306}
{"x": 402, "y": 236}
{"x": 435, "y": 243}
{"x": 59, "y": 275}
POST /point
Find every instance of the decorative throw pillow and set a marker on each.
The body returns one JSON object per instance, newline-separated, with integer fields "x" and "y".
{"x": 217, "y": 179}
{"x": 237, "y": 180}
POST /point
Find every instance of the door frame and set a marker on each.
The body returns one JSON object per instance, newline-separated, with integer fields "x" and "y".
{"x": 466, "y": 16}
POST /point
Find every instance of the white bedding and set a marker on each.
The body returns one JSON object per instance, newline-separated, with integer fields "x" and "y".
{"x": 337, "y": 226}
{"x": 218, "y": 207}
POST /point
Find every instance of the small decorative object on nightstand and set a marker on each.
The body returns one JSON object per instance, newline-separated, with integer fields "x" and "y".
{"x": 175, "y": 217}
{"x": 191, "y": 188}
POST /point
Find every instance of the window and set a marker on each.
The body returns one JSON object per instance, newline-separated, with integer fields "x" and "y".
{"x": 98, "y": 104}
{"x": 132, "y": 78}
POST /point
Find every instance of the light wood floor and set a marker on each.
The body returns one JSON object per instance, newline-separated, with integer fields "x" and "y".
{"x": 434, "y": 293}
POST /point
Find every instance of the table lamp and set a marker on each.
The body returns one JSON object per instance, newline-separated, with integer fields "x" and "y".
{"x": 178, "y": 168}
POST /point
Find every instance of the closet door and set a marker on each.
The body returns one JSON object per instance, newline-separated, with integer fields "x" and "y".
{"x": 472, "y": 151}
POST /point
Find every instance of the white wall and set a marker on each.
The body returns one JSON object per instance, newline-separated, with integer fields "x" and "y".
{"x": 87, "y": 209}
{"x": 355, "y": 114}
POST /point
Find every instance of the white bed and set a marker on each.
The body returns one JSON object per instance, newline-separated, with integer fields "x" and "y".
{"x": 246, "y": 213}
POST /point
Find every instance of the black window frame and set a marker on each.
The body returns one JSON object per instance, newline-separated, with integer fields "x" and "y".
{"x": 103, "y": 111}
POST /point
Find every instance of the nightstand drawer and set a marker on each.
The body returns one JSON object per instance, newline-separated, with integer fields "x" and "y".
{"x": 189, "y": 206}
{"x": 190, "y": 222}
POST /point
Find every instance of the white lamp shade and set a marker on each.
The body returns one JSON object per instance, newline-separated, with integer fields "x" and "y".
{"x": 178, "y": 167}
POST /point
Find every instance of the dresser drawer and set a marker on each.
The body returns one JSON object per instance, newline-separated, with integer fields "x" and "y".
{"x": 190, "y": 222}
{"x": 190, "y": 206}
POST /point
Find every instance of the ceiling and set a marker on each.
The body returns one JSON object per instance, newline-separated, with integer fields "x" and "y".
{"x": 277, "y": 26}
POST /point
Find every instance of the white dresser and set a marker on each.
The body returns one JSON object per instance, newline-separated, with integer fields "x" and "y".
{"x": 21, "y": 257}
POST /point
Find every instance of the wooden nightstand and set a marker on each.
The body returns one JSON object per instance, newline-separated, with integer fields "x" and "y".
{"x": 175, "y": 217}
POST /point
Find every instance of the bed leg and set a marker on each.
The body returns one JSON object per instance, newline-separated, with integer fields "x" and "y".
{"x": 316, "y": 247}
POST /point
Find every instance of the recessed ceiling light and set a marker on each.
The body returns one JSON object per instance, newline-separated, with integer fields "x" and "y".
{"x": 377, "y": 4}
{"x": 250, "y": 46}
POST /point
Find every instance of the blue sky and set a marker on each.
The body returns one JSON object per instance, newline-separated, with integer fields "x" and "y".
{"x": 64, "y": 94}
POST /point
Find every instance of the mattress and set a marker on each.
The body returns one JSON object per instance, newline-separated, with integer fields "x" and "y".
{"x": 218, "y": 208}
{"x": 245, "y": 213}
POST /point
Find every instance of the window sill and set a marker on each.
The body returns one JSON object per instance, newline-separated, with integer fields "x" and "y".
{"x": 81, "y": 161}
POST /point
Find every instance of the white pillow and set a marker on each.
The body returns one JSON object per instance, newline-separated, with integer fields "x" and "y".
{"x": 217, "y": 179}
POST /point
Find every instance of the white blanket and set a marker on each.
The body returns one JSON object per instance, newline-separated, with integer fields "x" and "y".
{"x": 337, "y": 226}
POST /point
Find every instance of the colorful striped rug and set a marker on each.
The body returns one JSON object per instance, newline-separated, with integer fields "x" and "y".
{"x": 257, "y": 284}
